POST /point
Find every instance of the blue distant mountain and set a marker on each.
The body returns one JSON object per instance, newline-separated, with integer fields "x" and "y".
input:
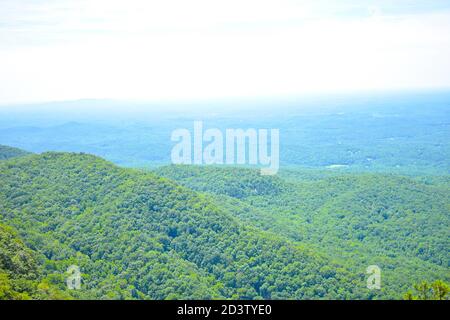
{"x": 384, "y": 132}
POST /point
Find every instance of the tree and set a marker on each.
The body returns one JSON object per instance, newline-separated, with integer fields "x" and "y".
{"x": 437, "y": 290}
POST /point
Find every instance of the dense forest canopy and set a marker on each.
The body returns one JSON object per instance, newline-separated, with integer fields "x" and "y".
{"x": 10, "y": 152}
{"x": 207, "y": 232}
{"x": 136, "y": 235}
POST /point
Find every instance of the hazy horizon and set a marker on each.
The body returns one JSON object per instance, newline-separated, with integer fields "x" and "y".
{"x": 207, "y": 50}
{"x": 257, "y": 100}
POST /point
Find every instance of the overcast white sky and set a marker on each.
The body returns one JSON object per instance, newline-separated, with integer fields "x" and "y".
{"x": 200, "y": 49}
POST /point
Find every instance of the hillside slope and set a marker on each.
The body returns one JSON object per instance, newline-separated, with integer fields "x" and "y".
{"x": 136, "y": 235}
{"x": 7, "y": 152}
{"x": 399, "y": 223}
{"x": 21, "y": 277}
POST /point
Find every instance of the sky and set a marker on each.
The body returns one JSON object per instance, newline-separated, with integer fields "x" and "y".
{"x": 52, "y": 50}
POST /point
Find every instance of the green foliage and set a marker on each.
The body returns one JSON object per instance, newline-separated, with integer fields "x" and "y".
{"x": 10, "y": 152}
{"x": 20, "y": 276}
{"x": 399, "y": 223}
{"x": 214, "y": 232}
{"x": 138, "y": 236}
{"x": 238, "y": 183}
{"x": 437, "y": 290}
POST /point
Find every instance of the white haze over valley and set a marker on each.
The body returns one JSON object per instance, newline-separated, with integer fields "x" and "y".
{"x": 202, "y": 49}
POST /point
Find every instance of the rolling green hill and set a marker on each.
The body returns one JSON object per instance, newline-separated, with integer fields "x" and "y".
{"x": 10, "y": 152}
{"x": 21, "y": 277}
{"x": 187, "y": 232}
{"x": 136, "y": 235}
{"x": 399, "y": 223}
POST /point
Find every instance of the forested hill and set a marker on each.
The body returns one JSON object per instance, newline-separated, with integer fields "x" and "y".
{"x": 10, "y": 152}
{"x": 21, "y": 275}
{"x": 137, "y": 235}
{"x": 398, "y": 223}
{"x": 375, "y": 208}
